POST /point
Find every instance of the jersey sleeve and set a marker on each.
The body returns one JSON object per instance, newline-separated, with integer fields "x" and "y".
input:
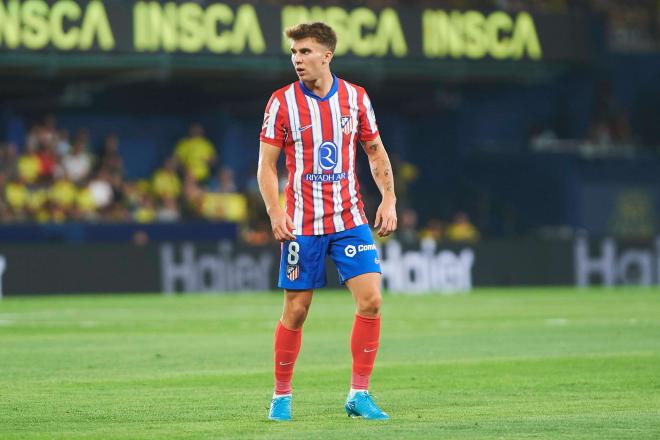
{"x": 273, "y": 129}
{"x": 367, "y": 119}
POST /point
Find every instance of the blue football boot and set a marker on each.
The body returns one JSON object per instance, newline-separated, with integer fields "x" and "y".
{"x": 362, "y": 405}
{"x": 280, "y": 409}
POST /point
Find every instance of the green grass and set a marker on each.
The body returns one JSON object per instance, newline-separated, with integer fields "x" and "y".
{"x": 523, "y": 363}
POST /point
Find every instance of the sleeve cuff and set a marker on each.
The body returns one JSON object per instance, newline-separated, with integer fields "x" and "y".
{"x": 270, "y": 141}
{"x": 369, "y": 136}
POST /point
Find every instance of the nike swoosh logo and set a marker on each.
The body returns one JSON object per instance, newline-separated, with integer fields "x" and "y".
{"x": 285, "y": 363}
{"x": 301, "y": 129}
{"x": 369, "y": 351}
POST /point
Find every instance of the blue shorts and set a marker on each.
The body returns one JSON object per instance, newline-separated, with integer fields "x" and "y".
{"x": 302, "y": 265}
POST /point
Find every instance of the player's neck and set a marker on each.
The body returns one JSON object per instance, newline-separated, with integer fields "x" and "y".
{"x": 320, "y": 86}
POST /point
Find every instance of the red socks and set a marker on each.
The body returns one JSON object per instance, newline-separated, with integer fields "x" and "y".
{"x": 287, "y": 347}
{"x": 364, "y": 346}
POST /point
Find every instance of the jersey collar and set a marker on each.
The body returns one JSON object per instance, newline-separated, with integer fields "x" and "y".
{"x": 333, "y": 90}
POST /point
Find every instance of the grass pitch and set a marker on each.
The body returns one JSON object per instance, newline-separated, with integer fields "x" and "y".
{"x": 523, "y": 363}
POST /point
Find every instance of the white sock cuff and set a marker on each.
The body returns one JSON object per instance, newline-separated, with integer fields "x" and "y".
{"x": 353, "y": 392}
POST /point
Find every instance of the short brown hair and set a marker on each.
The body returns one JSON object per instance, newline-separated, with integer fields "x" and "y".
{"x": 321, "y": 32}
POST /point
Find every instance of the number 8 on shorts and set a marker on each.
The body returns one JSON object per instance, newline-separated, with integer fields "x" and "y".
{"x": 293, "y": 257}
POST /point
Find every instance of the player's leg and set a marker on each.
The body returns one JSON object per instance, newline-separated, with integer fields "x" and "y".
{"x": 365, "y": 336}
{"x": 365, "y": 339}
{"x": 286, "y": 346}
{"x": 358, "y": 264}
{"x": 288, "y": 337}
{"x": 301, "y": 270}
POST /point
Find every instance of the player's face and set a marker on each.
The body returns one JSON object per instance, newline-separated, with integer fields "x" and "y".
{"x": 309, "y": 58}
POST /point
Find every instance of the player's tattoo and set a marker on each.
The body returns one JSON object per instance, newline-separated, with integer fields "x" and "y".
{"x": 385, "y": 163}
{"x": 381, "y": 169}
{"x": 374, "y": 146}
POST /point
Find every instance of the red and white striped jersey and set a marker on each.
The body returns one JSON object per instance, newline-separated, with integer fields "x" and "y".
{"x": 320, "y": 137}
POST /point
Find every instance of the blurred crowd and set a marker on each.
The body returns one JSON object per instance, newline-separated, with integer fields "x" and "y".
{"x": 458, "y": 229}
{"x": 57, "y": 177}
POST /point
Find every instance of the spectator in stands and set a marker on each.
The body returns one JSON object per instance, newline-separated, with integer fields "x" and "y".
{"x": 407, "y": 232}
{"x": 433, "y": 230}
{"x": 5, "y": 213}
{"x": 29, "y": 166}
{"x": 38, "y": 205}
{"x": 110, "y": 159}
{"x": 8, "y": 157}
{"x": 118, "y": 211}
{"x": 255, "y": 205}
{"x": 165, "y": 183}
{"x": 42, "y": 133}
{"x": 62, "y": 196}
{"x": 146, "y": 212}
{"x": 231, "y": 207}
{"x": 101, "y": 190}
{"x": 168, "y": 211}
{"x": 462, "y": 230}
{"x": 7, "y": 172}
{"x": 85, "y": 206}
{"x": 48, "y": 163}
{"x": 224, "y": 182}
{"x": 17, "y": 196}
{"x": 222, "y": 201}
{"x": 77, "y": 163}
{"x": 63, "y": 144}
{"x": 193, "y": 196}
{"x": 49, "y": 133}
{"x": 251, "y": 184}
{"x": 196, "y": 153}
{"x": 406, "y": 174}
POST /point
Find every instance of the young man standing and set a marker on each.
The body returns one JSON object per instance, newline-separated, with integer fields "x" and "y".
{"x": 317, "y": 121}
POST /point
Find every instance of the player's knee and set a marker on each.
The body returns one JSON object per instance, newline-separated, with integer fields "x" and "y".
{"x": 369, "y": 305}
{"x": 295, "y": 314}
{"x": 300, "y": 311}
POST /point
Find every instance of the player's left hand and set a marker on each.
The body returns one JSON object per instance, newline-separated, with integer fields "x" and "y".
{"x": 386, "y": 218}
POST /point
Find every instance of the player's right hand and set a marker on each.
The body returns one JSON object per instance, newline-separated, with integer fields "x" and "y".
{"x": 282, "y": 225}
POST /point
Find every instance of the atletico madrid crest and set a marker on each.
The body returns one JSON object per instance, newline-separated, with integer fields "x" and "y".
{"x": 292, "y": 272}
{"x": 347, "y": 124}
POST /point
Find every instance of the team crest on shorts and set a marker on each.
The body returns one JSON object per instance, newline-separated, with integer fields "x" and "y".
{"x": 292, "y": 272}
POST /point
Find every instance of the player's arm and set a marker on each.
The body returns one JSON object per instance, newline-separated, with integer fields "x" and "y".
{"x": 381, "y": 170}
{"x": 280, "y": 221}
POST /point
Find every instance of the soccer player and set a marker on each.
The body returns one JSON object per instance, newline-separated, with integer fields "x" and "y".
{"x": 317, "y": 121}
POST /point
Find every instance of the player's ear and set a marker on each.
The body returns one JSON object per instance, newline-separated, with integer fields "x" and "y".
{"x": 327, "y": 57}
